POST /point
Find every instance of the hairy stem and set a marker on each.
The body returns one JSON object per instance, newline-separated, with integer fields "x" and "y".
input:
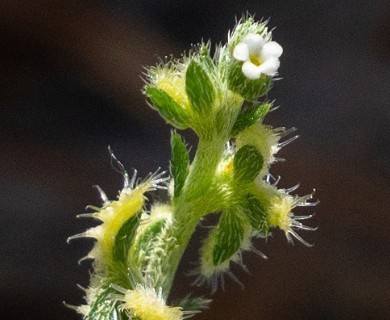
{"x": 193, "y": 203}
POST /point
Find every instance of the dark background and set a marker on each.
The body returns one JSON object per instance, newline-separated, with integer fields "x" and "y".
{"x": 70, "y": 86}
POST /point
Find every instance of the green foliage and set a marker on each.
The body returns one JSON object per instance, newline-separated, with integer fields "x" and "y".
{"x": 170, "y": 110}
{"x": 256, "y": 214}
{"x": 199, "y": 88}
{"x": 250, "y": 116}
{"x": 180, "y": 162}
{"x": 247, "y": 164}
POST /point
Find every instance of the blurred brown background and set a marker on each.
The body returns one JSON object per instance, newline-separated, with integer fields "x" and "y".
{"x": 70, "y": 86}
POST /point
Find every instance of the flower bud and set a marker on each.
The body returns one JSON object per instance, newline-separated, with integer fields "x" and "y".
{"x": 167, "y": 95}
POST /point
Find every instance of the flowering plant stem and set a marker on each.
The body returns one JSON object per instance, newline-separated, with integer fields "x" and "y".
{"x": 139, "y": 245}
{"x": 194, "y": 202}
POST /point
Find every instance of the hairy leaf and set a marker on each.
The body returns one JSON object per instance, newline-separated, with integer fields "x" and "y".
{"x": 199, "y": 88}
{"x": 170, "y": 110}
{"x": 250, "y": 116}
{"x": 103, "y": 307}
{"x": 229, "y": 235}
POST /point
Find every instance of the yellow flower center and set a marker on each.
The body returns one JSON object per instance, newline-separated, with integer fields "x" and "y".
{"x": 255, "y": 59}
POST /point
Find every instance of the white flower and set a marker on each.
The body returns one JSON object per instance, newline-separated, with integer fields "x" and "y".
{"x": 260, "y": 56}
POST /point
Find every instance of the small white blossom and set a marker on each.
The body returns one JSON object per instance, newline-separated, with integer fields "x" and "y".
{"x": 260, "y": 56}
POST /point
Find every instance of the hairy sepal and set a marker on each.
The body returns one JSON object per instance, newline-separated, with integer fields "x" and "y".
{"x": 247, "y": 164}
{"x": 249, "y": 89}
{"x": 256, "y": 213}
{"x": 170, "y": 110}
{"x": 103, "y": 307}
{"x": 250, "y": 116}
{"x": 224, "y": 243}
{"x": 199, "y": 88}
{"x": 264, "y": 139}
{"x": 144, "y": 244}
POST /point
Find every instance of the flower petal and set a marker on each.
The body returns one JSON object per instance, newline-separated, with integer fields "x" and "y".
{"x": 250, "y": 70}
{"x": 255, "y": 42}
{"x": 241, "y": 52}
{"x": 271, "y": 49}
{"x": 270, "y": 66}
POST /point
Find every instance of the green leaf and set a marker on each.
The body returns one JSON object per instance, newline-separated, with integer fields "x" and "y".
{"x": 250, "y": 116}
{"x": 179, "y": 163}
{"x": 247, "y": 164}
{"x": 169, "y": 109}
{"x": 199, "y": 88}
{"x": 104, "y": 306}
{"x": 229, "y": 235}
{"x": 256, "y": 214}
{"x": 125, "y": 238}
